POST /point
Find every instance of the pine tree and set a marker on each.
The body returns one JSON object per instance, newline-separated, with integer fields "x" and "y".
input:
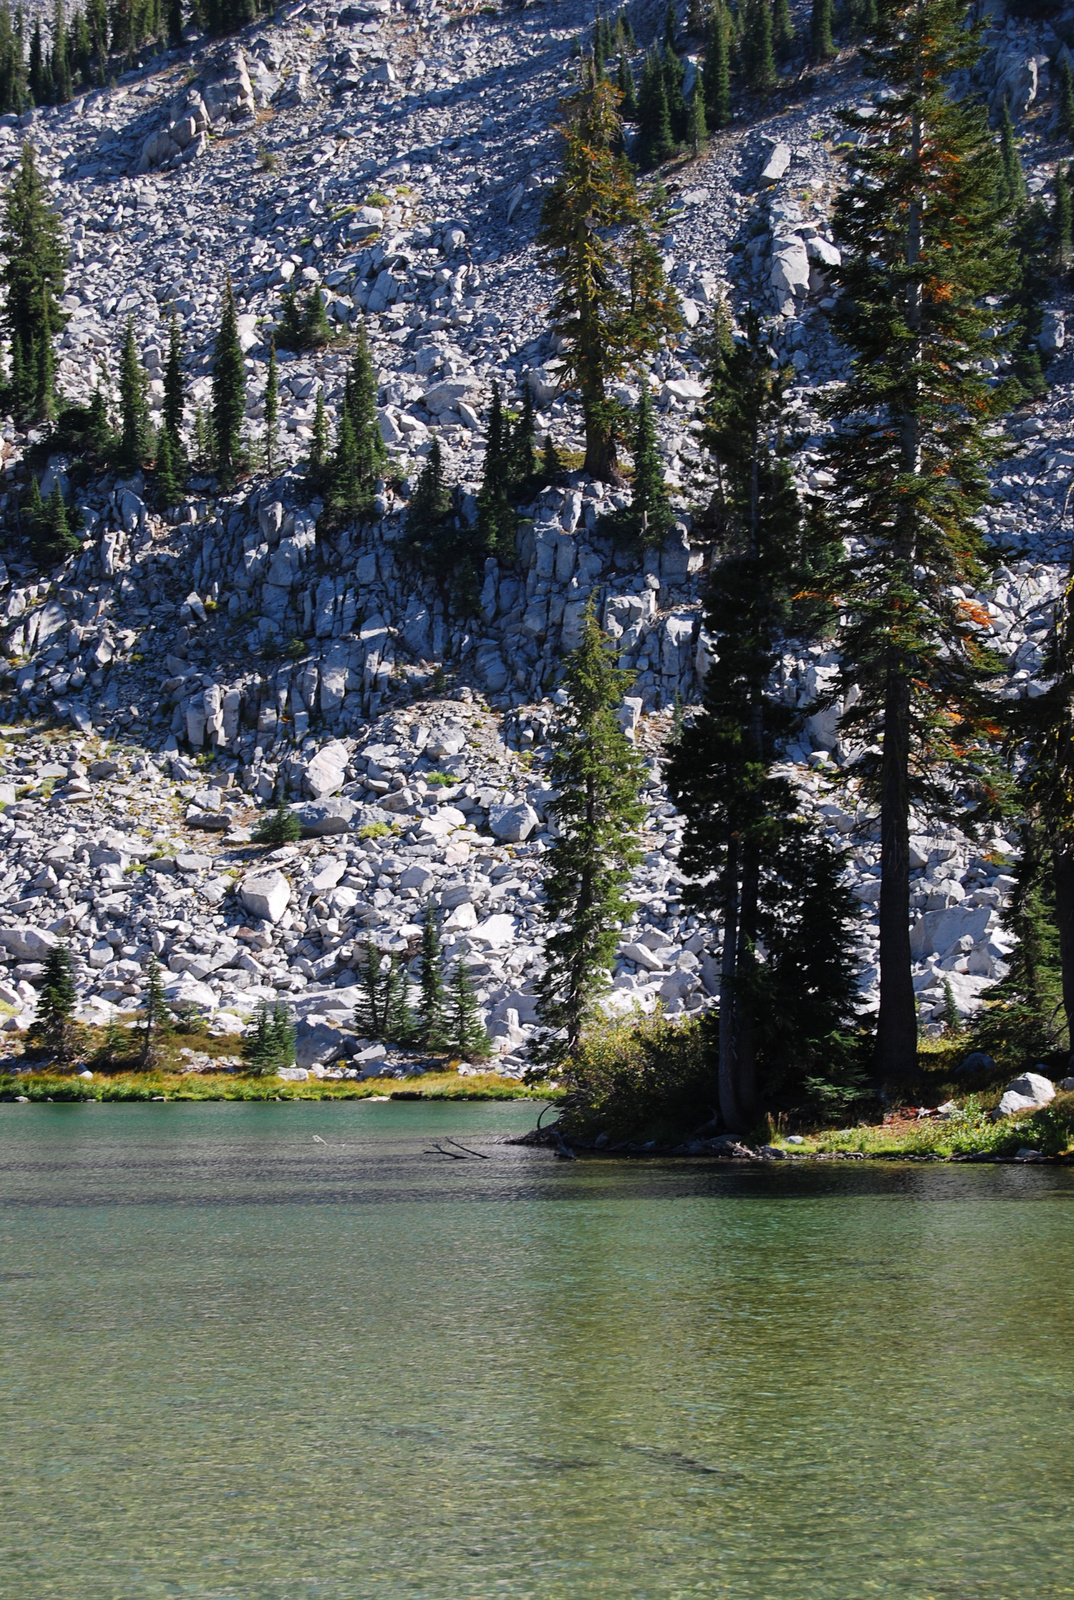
{"x": 156, "y": 1022}
{"x": 316, "y": 328}
{"x": 593, "y": 219}
{"x": 523, "y": 445}
{"x": 32, "y": 515}
{"x": 135, "y": 428}
{"x": 53, "y": 538}
{"x": 624, "y": 82}
{"x": 369, "y": 1016}
{"x": 358, "y": 460}
{"x": 430, "y": 1022}
{"x": 655, "y": 141}
{"x": 278, "y": 827}
{"x": 649, "y": 515}
{"x": 821, "y": 45}
{"x": 62, "y": 87}
{"x": 923, "y": 256}
{"x": 290, "y": 333}
{"x": 398, "y": 1021}
{"x": 174, "y": 11}
{"x": 431, "y": 499}
{"x": 203, "y": 441}
{"x": 741, "y": 839}
{"x": 169, "y": 483}
{"x": 100, "y": 435}
{"x": 551, "y": 465}
{"x": 696, "y": 131}
{"x": 673, "y": 73}
{"x": 758, "y": 60}
{"x": 783, "y": 36}
{"x": 1014, "y": 181}
{"x": 229, "y": 389}
{"x": 465, "y": 1029}
{"x": 33, "y": 274}
{"x": 318, "y": 458}
{"x": 497, "y": 519}
{"x": 272, "y": 407}
{"x": 1062, "y": 222}
{"x": 597, "y": 773}
{"x": 1066, "y": 97}
{"x": 718, "y": 70}
{"x": 54, "y": 1023}
{"x": 174, "y": 390}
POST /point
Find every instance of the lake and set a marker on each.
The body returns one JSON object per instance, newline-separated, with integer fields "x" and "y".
{"x": 292, "y": 1352}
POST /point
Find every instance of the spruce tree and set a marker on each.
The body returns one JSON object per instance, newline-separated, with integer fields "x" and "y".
{"x": 272, "y": 407}
{"x": 358, "y": 460}
{"x": 465, "y": 1029}
{"x": 33, "y": 275}
{"x": 1066, "y": 97}
{"x": 497, "y": 519}
{"x": 431, "y": 500}
{"x": 551, "y": 465}
{"x": 741, "y": 842}
{"x": 316, "y": 328}
{"x": 624, "y": 82}
{"x": 523, "y": 445}
{"x": 758, "y": 60}
{"x": 783, "y": 38}
{"x": 821, "y": 46}
{"x": 1061, "y": 222}
{"x": 229, "y": 389}
{"x": 673, "y": 73}
{"x": 169, "y": 482}
{"x": 696, "y": 131}
{"x": 156, "y": 1021}
{"x": 430, "y": 1021}
{"x": 718, "y": 70}
{"x": 203, "y": 441}
{"x": 398, "y": 1026}
{"x": 174, "y": 389}
{"x": 54, "y": 538}
{"x": 135, "y": 428}
{"x": 592, "y": 221}
{"x": 650, "y": 514}
{"x": 54, "y": 1023}
{"x": 1014, "y": 182}
{"x": 655, "y": 141}
{"x": 598, "y": 774}
{"x": 278, "y": 827}
{"x": 290, "y": 333}
{"x": 272, "y": 1043}
{"x": 924, "y": 254}
{"x": 369, "y": 1018}
{"x": 100, "y": 435}
{"x": 318, "y": 458}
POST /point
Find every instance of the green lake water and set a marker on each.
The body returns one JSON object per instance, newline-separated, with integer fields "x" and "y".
{"x": 242, "y": 1364}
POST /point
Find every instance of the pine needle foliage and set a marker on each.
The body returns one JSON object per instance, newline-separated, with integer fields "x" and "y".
{"x": 430, "y": 1022}
{"x": 598, "y": 774}
{"x": 229, "y": 389}
{"x": 271, "y": 1045}
{"x": 821, "y": 44}
{"x": 54, "y": 1025}
{"x": 136, "y": 431}
{"x": 593, "y": 224}
{"x": 756, "y": 53}
{"x": 358, "y": 461}
{"x": 924, "y": 253}
{"x": 278, "y": 827}
{"x": 33, "y": 274}
{"x": 466, "y": 1031}
{"x": 156, "y": 1022}
{"x": 717, "y": 74}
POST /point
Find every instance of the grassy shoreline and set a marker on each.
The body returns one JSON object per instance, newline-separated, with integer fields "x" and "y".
{"x": 118, "y": 1087}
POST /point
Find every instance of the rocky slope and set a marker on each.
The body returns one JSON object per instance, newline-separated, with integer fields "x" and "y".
{"x": 169, "y": 678}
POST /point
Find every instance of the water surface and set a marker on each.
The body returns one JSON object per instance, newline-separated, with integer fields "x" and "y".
{"x": 291, "y": 1352}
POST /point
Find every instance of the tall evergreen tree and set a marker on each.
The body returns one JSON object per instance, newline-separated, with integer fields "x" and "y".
{"x": 673, "y": 73}
{"x": 135, "y": 427}
{"x": 465, "y": 1029}
{"x": 593, "y": 219}
{"x": 318, "y": 460}
{"x": 758, "y": 60}
{"x": 33, "y": 275}
{"x": 272, "y": 1043}
{"x": 742, "y": 841}
{"x": 398, "y": 1021}
{"x": 62, "y": 87}
{"x": 783, "y": 36}
{"x": 523, "y": 444}
{"x": 369, "y": 1016}
{"x": 169, "y": 477}
{"x": 923, "y": 255}
{"x": 655, "y": 140}
{"x": 497, "y": 519}
{"x": 821, "y": 45}
{"x": 360, "y": 454}
{"x": 54, "y": 538}
{"x": 431, "y": 500}
{"x": 430, "y": 1021}
{"x": 718, "y": 70}
{"x": 1061, "y": 221}
{"x": 1066, "y": 97}
{"x": 650, "y": 514}
{"x": 696, "y": 130}
{"x": 597, "y": 773}
{"x": 156, "y": 1022}
{"x": 624, "y": 82}
{"x": 54, "y": 1023}
{"x": 1014, "y": 181}
{"x": 229, "y": 388}
{"x": 272, "y": 407}
{"x": 174, "y": 389}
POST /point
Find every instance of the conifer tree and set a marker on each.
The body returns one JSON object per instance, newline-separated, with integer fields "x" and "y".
{"x": 431, "y": 500}
{"x": 650, "y": 514}
{"x": 398, "y": 1021}
{"x": 597, "y": 773}
{"x": 135, "y": 428}
{"x": 628, "y": 93}
{"x": 318, "y": 459}
{"x": 33, "y": 275}
{"x": 358, "y": 460}
{"x": 783, "y": 38}
{"x": 1061, "y": 222}
{"x": 742, "y": 844}
{"x": 174, "y": 391}
{"x": 821, "y": 45}
{"x": 289, "y": 334}
{"x": 592, "y": 222}
{"x": 497, "y": 520}
{"x": 169, "y": 484}
{"x": 671, "y": 25}
{"x": 369, "y": 1016}
{"x": 430, "y": 1021}
{"x": 54, "y": 1023}
{"x": 203, "y": 441}
{"x": 272, "y": 407}
{"x": 923, "y": 255}
{"x": 655, "y": 141}
{"x": 316, "y": 328}
{"x": 465, "y": 1029}
{"x": 1014, "y": 181}
{"x": 229, "y": 389}
{"x": 718, "y": 70}
{"x": 54, "y": 538}
{"x": 673, "y": 72}
{"x": 696, "y": 131}
{"x": 62, "y": 87}
{"x": 100, "y": 435}
{"x": 758, "y": 60}
{"x": 278, "y": 827}
{"x": 272, "y": 1043}
{"x": 32, "y": 515}
{"x": 1066, "y": 97}
{"x": 551, "y": 465}
{"x": 156, "y": 1021}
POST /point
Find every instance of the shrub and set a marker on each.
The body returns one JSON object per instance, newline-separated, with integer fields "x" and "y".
{"x": 635, "y": 1075}
{"x": 374, "y": 830}
{"x": 279, "y": 827}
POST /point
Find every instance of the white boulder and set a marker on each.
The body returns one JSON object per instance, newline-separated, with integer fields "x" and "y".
{"x": 265, "y": 895}
{"x": 1026, "y": 1093}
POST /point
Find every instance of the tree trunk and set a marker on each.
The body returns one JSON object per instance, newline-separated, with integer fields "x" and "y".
{"x": 748, "y": 1098}
{"x": 601, "y": 461}
{"x": 730, "y": 1010}
{"x": 1063, "y": 859}
{"x": 896, "y": 1033}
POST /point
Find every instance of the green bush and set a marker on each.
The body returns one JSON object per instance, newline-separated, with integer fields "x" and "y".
{"x": 640, "y": 1075}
